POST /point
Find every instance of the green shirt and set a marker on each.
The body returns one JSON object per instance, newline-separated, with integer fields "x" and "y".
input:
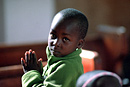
{"x": 59, "y": 72}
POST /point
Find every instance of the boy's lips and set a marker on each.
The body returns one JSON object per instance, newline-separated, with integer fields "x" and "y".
{"x": 55, "y": 51}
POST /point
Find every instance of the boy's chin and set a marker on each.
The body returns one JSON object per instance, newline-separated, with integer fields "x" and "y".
{"x": 57, "y": 54}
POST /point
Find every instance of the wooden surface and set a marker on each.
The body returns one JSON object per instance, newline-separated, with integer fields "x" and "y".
{"x": 11, "y": 54}
{"x": 10, "y": 76}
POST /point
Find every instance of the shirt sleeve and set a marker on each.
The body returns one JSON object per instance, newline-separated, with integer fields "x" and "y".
{"x": 32, "y": 79}
{"x": 61, "y": 76}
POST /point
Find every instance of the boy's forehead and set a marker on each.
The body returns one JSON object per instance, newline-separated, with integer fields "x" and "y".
{"x": 57, "y": 18}
{"x": 65, "y": 26}
{"x": 61, "y": 23}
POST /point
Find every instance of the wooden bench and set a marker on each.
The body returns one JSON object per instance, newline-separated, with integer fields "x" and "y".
{"x": 10, "y": 62}
{"x": 11, "y": 54}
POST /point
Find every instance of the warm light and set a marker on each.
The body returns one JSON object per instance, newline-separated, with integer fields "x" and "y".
{"x": 56, "y": 19}
{"x": 88, "y": 54}
{"x": 88, "y": 60}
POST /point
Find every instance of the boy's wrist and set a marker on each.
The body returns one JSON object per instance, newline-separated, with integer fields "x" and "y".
{"x": 31, "y": 77}
{"x": 32, "y": 73}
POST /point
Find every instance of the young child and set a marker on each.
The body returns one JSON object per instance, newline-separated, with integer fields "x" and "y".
{"x": 64, "y": 65}
{"x": 99, "y": 78}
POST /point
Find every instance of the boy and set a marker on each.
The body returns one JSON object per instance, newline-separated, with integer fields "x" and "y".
{"x": 99, "y": 78}
{"x": 64, "y": 66}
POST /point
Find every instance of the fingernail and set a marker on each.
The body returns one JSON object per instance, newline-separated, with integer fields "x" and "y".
{"x": 26, "y": 53}
{"x": 33, "y": 51}
{"x": 40, "y": 59}
{"x": 22, "y": 59}
{"x": 30, "y": 50}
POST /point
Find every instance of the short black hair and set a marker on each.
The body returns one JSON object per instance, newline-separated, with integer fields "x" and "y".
{"x": 71, "y": 13}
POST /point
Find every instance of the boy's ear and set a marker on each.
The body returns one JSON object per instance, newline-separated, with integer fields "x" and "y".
{"x": 80, "y": 44}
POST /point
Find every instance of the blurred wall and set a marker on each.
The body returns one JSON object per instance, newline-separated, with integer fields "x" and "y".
{"x": 2, "y": 37}
{"x": 25, "y": 21}
{"x": 110, "y": 12}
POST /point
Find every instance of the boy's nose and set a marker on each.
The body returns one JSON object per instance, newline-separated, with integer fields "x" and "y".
{"x": 57, "y": 42}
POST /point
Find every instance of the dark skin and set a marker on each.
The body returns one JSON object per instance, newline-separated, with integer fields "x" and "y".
{"x": 30, "y": 62}
{"x": 63, "y": 39}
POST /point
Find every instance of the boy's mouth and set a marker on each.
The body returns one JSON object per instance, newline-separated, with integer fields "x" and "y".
{"x": 55, "y": 51}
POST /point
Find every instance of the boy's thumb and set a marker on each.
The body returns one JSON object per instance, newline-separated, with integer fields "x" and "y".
{"x": 40, "y": 65}
{"x": 40, "y": 62}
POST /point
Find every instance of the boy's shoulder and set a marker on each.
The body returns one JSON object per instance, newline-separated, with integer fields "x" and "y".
{"x": 65, "y": 65}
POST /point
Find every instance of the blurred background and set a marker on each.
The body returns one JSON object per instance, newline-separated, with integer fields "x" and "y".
{"x": 25, "y": 24}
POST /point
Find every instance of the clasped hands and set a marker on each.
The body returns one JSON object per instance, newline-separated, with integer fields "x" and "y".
{"x": 30, "y": 62}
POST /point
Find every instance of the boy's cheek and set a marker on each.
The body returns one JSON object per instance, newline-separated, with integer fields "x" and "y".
{"x": 49, "y": 41}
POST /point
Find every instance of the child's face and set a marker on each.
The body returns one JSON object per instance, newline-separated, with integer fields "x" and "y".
{"x": 63, "y": 37}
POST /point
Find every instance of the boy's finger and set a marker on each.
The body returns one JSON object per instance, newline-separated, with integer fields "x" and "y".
{"x": 23, "y": 62}
{"x": 24, "y": 65}
{"x": 40, "y": 65}
{"x": 30, "y": 56}
{"x": 34, "y": 57}
{"x": 40, "y": 60}
{"x": 27, "y": 57}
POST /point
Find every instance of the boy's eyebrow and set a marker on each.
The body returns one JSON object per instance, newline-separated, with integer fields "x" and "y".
{"x": 53, "y": 31}
{"x": 66, "y": 34}
{"x": 62, "y": 33}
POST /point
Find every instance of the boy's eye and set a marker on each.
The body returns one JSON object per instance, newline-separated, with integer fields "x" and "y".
{"x": 53, "y": 36}
{"x": 65, "y": 39}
